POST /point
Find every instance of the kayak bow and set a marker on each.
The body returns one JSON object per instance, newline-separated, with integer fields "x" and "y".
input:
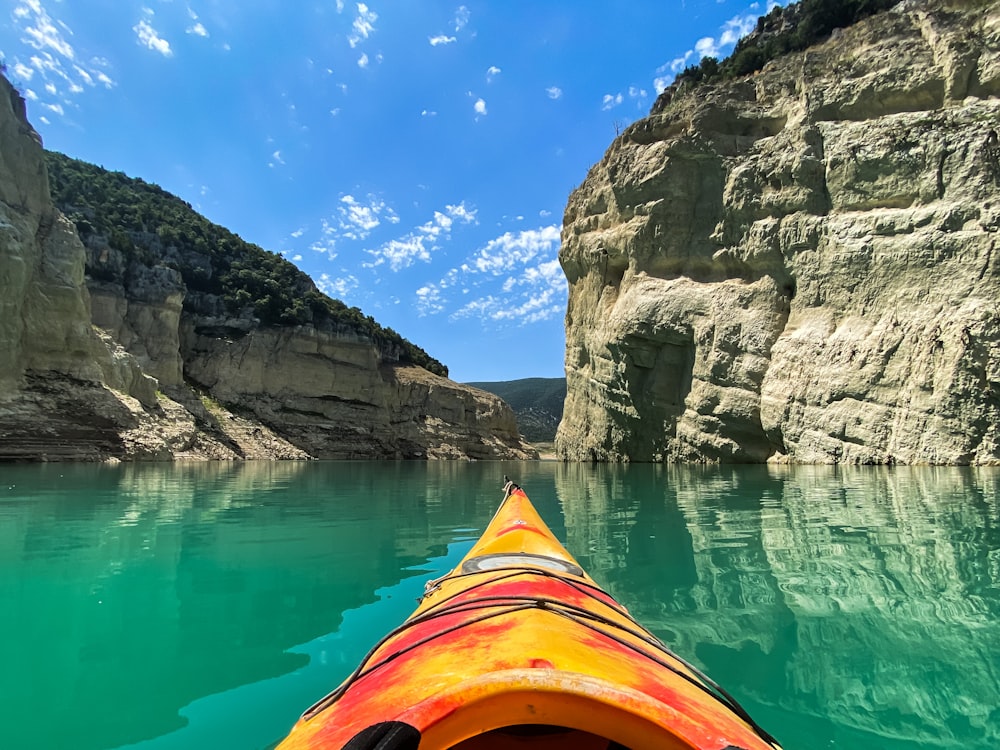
{"x": 519, "y": 647}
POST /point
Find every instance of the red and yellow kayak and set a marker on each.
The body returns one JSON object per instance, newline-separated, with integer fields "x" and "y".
{"x": 519, "y": 648}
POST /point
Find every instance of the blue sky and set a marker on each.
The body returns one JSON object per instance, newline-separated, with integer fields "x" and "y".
{"x": 413, "y": 157}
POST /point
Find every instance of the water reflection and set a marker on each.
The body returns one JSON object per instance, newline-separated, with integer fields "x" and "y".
{"x": 853, "y": 608}
{"x": 865, "y": 598}
{"x": 130, "y": 592}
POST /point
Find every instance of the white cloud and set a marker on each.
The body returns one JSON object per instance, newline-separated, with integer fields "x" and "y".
{"x": 363, "y": 26}
{"x": 441, "y": 39}
{"x": 404, "y": 252}
{"x": 43, "y": 35}
{"x": 706, "y": 47}
{"x": 461, "y": 17}
{"x": 554, "y": 92}
{"x": 51, "y": 61}
{"x": 736, "y": 28}
{"x": 356, "y": 220}
{"x": 337, "y": 288}
{"x": 462, "y": 213}
{"x": 428, "y": 113}
{"x": 610, "y": 101}
{"x": 418, "y": 244}
{"x": 198, "y": 30}
{"x": 23, "y": 71}
{"x": 492, "y": 72}
{"x": 509, "y": 250}
{"x": 363, "y": 61}
{"x": 276, "y": 159}
{"x": 731, "y": 32}
{"x": 480, "y": 107}
{"x": 515, "y": 278}
{"x": 429, "y": 300}
{"x": 149, "y": 38}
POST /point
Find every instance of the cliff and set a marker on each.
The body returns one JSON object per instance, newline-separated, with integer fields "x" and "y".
{"x": 110, "y": 354}
{"x": 799, "y": 265}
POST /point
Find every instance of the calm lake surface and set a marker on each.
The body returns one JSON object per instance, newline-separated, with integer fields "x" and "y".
{"x": 161, "y": 607}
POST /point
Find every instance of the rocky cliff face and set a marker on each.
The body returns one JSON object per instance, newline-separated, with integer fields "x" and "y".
{"x": 124, "y": 370}
{"x": 801, "y": 265}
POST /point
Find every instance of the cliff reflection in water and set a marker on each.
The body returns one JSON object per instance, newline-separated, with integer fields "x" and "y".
{"x": 130, "y": 592}
{"x": 866, "y": 599}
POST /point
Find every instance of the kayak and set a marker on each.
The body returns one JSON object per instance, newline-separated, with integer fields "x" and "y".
{"x": 518, "y": 647}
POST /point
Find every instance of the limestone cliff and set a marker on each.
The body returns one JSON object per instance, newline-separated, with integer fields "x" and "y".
{"x": 103, "y": 356}
{"x": 800, "y": 265}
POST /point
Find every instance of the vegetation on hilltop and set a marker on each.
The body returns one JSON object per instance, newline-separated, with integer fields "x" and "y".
{"x": 786, "y": 29}
{"x": 149, "y": 226}
{"x": 537, "y": 403}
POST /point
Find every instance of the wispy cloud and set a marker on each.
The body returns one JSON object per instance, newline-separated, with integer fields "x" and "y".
{"x": 363, "y": 26}
{"x": 357, "y": 219}
{"x": 338, "y": 288}
{"x": 554, "y": 92}
{"x": 517, "y": 277}
{"x": 511, "y": 250}
{"x": 51, "y": 62}
{"x": 731, "y": 32}
{"x": 354, "y": 220}
{"x": 197, "y": 28}
{"x": 480, "y": 107}
{"x": 461, "y": 17}
{"x": 41, "y": 32}
{"x": 441, "y": 39}
{"x": 492, "y": 72}
{"x": 418, "y": 244}
{"x": 149, "y": 37}
{"x": 429, "y": 300}
{"x": 610, "y": 101}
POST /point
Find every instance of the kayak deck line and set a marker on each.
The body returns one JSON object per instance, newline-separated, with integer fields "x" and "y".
{"x": 519, "y": 647}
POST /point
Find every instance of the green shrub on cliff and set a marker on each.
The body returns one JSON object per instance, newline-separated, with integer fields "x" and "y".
{"x": 149, "y": 226}
{"x": 786, "y": 29}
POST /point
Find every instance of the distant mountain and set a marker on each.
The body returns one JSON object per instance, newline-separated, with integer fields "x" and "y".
{"x": 537, "y": 403}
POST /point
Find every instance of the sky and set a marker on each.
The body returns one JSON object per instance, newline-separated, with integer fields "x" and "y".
{"x": 413, "y": 157}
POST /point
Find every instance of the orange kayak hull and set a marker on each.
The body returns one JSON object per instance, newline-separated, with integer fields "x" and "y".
{"x": 519, "y": 647}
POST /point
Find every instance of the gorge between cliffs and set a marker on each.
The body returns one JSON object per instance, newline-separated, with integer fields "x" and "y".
{"x": 799, "y": 265}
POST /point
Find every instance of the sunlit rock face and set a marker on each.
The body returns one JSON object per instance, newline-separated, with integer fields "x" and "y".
{"x": 67, "y": 391}
{"x": 121, "y": 370}
{"x": 801, "y": 265}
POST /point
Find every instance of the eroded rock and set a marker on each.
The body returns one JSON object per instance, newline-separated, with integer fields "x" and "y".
{"x": 800, "y": 265}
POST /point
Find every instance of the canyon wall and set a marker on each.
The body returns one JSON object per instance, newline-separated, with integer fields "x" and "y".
{"x": 117, "y": 366}
{"x": 800, "y": 265}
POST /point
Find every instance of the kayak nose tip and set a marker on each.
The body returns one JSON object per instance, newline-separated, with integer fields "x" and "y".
{"x": 541, "y": 664}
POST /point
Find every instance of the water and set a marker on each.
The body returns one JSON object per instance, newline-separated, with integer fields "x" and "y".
{"x": 204, "y": 606}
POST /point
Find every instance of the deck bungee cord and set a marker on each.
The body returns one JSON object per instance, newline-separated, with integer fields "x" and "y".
{"x": 507, "y": 604}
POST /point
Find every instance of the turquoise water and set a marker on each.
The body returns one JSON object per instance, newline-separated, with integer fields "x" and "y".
{"x": 207, "y": 605}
